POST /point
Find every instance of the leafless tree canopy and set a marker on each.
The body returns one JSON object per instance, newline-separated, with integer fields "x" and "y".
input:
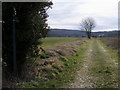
{"x": 87, "y": 25}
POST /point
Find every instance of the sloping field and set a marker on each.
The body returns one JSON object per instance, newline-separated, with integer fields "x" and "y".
{"x": 54, "y": 41}
{"x": 53, "y": 67}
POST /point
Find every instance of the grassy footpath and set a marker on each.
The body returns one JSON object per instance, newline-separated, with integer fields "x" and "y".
{"x": 53, "y": 41}
{"x": 103, "y": 67}
{"x": 62, "y": 75}
{"x": 114, "y": 52}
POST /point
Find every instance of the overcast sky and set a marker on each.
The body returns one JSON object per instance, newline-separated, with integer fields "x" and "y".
{"x": 67, "y": 14}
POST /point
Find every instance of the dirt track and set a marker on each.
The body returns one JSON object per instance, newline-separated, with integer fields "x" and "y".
{"x": 99, "y": 69}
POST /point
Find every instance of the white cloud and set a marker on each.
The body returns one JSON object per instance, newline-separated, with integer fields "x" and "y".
{"x": 69, "y": 13}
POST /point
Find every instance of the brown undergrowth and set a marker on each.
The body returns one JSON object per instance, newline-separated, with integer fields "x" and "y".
{"x": 54, "y": 61}
{"x": 50, "y": 63}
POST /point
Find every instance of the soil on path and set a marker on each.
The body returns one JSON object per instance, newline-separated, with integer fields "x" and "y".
{"x": 99, "y": 69}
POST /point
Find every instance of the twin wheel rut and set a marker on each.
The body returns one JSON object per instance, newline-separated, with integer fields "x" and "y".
{"x": 99, "y": 69}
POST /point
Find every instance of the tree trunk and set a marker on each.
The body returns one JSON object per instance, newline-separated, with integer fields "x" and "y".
{"x": 89, "y": 35}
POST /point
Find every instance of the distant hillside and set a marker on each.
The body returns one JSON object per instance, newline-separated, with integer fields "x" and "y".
{"x": 65, "y": 33}
{"x": 78, "y": 33}
{"x": 107, "y": 33}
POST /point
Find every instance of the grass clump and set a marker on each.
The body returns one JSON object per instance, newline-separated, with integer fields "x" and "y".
{"x": 61, "y": 72}
{"x": 63, "y": 58}
{"x": 44, "y": 55}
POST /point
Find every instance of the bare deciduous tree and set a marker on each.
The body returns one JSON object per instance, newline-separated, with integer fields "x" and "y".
{"x": 88, "y": 25}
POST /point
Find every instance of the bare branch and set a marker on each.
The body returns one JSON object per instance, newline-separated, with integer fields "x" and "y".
{"x": 87, "y": 25}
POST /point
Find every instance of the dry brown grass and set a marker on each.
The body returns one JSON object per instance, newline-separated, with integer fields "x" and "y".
{"x": 48, "y": 68}
{"x": 111, "y": 42}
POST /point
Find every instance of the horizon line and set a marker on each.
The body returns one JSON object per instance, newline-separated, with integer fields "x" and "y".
{"x": 107, "y": 30}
